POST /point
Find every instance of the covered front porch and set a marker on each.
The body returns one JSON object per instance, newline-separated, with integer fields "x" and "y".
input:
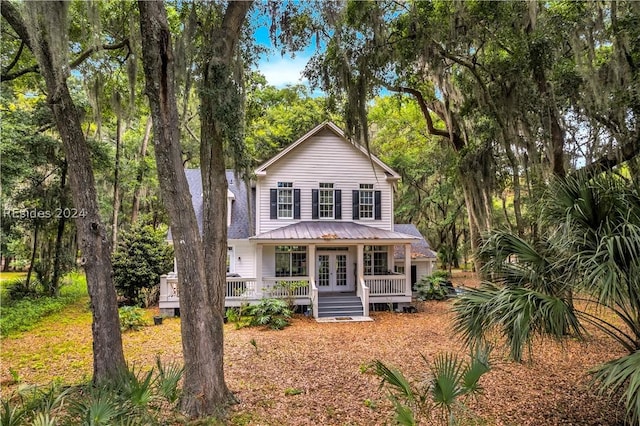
{"x": 322, "y": 265}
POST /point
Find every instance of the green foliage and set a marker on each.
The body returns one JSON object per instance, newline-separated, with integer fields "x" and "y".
{"x": 18, "y": 289}
{"x": 167, "y": 380}
{"x": 22, "y": 315}
{"x": 277, "y": 117}
{"x": 441, "y": 397}
{"x": 288, "y": 290}
{"x": 433, "y": 287}
{"x": 272, "y": 313}
{"x": 141, "y": 258}
{"x": 292, "y": 391}
{"x": 132, "y": 398}
{"x": 131, "y": 318}
{"x": 238, "y": 316}
{"x": 591, "y": 252}
{"x": 253, "y": 343}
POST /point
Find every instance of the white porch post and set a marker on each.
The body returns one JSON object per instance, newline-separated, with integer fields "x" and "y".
{"x": 259, "y": 269}
{"x": 311, "y": 262}
{"x": 311, "y": 272}
{"x": 360, "y": 262}
{"x": 364, "y": 296}
{"x": 407, "y": 268}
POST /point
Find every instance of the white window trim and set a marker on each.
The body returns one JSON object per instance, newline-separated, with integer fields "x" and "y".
{"x": 366, "y": 187}
{"x": 328, "y": 188}
{"x": 285, "y": 186}
{"x": 231, "y": 256}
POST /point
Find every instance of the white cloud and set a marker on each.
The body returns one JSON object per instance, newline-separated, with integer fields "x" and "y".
{"x": 281, "y": 71}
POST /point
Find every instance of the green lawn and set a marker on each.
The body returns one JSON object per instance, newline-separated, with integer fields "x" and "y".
{"x": 22, "y": 315}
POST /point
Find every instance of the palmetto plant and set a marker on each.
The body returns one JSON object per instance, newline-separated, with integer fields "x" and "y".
{"x": 585, "y": 265}
{"x": 441, "y": 396}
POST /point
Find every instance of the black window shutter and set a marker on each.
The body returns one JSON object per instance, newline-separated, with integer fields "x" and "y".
{"x": 296, "y": 204}
{"x": 378, "y": 205}
{"x": 314, "y": 204}
{"x": 337, "y": 213}
{"x": 274, "y": 204}
{"x": 356, "y": 204}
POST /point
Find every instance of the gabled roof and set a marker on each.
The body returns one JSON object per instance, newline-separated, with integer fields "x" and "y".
{"x": 334, "y": 232}
{"x": 419, "y": 249}
{"x": 237, "y": 190}
{"x": 391, "y": 174}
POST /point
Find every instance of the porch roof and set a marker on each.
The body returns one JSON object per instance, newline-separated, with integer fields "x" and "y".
{"x": 333, "y": 232}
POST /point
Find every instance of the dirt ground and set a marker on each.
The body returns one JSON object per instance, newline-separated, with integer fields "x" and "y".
{"x": 325, "y": 362}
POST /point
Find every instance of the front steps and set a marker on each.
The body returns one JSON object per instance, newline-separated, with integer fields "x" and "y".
{"x": 339, "y": 308}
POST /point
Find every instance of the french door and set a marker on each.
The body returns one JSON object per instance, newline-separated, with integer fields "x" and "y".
{"x": 332, "y": 273}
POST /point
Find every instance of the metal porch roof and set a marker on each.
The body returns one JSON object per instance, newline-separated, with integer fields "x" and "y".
{"x": 333, "y": 231}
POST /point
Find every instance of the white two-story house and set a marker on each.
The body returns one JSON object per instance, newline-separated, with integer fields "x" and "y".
{"x": 316, "y": 225}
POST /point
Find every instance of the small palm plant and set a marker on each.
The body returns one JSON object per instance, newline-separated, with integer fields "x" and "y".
{"x": 584, "y": 267}
{"x": 441, "y": 397}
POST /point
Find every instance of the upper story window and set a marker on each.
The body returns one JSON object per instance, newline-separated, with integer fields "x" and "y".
{"x": 326, "y": 201}
{"x": 366, "y": 201}
{"x": 285, "y": 200}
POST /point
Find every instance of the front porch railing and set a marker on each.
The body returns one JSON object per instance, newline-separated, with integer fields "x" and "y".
{"x": 386, "y": 285}
{"x": 169, "y": 288}
{"x": 364, "y": 292}
{"x": 241, "y": 288}
{"x": 244, "y": 288}
{"x": 285, "y": 287}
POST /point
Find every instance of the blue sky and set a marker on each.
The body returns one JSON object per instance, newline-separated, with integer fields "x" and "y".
{"x": 279, "y": 70}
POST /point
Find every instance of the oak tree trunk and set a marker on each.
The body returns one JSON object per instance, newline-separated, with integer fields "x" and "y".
{"x": 205, "y": 392}
{"x": 108, "y": 357}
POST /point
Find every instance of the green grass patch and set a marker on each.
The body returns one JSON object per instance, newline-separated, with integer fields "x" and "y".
{"x": 23, "y": 315}
{"x": 6, "y": 276}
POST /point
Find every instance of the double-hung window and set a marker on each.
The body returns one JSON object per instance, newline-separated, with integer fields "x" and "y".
{"x": 375, "y": 260}
{"x": 326, "y": 201}
{"x": 291, "y": 261}
{"x": 365, "y": 196}
{"x": 285, "y": 200}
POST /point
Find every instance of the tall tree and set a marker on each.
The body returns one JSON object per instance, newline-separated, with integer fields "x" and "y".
{"x": 201, "y": 262}
{"x": 510, "y": 81}
{"x": 44, "y": 31}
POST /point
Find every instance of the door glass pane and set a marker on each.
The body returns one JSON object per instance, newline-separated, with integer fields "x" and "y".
{"x": 341, "y": 270}
{"x": 323, "y": 270}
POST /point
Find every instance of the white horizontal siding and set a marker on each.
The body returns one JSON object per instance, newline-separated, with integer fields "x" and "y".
{"x": 269, "y": 261}
{"x": 324, "y": 158}
{"x": 244, "y": 258}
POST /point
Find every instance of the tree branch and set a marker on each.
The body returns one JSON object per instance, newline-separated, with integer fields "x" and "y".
{"x": 12, "y": 15}
{"x": 625, "y": 153}
{"x": 87, "y": 53}
{"x": 15, "y": 59}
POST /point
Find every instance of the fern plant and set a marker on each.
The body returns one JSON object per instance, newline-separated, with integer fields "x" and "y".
{"x": 272, "y": 313}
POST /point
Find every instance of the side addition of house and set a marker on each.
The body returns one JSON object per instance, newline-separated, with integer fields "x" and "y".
{"x": 322, "y": 231}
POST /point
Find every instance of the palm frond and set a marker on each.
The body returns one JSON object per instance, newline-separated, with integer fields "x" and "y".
{"x": 477, "y": 367}
{"x": 395, "y": 379}
{"x": 519, "y": 314}
{"x": 447, "y": 371}
{"x": 622, "y": 373}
